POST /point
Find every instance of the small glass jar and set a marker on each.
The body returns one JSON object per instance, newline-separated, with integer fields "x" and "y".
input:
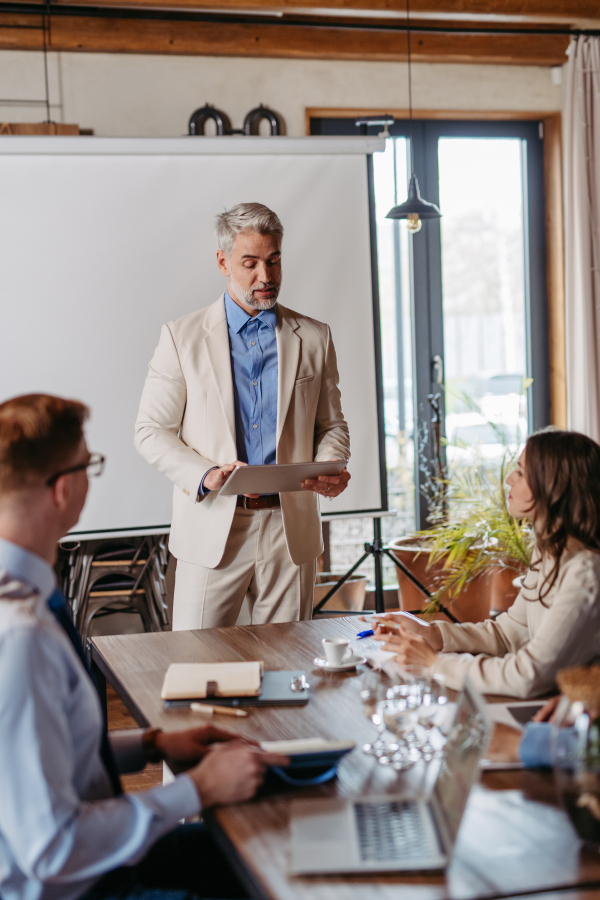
{"x": 576, "y": 749}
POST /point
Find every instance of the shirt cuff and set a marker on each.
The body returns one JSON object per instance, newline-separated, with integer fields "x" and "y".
{"x": 202, "y": 491}
{"x": 535, "y": 747}
{"x": 178, "y": 800}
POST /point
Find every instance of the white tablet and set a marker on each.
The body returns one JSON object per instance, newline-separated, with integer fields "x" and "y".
{"x": 277, "y": 479}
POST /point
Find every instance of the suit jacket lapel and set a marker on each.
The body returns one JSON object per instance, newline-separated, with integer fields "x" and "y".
{"x": 288, "y": 354}
{"x": 217, "y": 347}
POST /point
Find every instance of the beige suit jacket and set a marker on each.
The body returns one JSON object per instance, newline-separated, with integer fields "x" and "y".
{"x": 519, "y": 653}
{"x": 186, "y": 425}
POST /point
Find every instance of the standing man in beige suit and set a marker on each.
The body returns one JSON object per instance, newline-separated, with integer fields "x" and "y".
{"x": 243, "y": 381}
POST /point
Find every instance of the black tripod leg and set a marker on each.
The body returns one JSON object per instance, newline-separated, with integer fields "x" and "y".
{"x": 378, "y": 561}
{"x": 403, "y": 568}
{"x": 338, "y": 585}
{"x": 450, "y": 615}
{"x": 408, "y": 574}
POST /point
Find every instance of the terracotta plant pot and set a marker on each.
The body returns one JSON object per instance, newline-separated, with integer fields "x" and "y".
{"x": 504, "y": 590}
{"x": 492, "y": 589}
{"x": 351, "y": 595}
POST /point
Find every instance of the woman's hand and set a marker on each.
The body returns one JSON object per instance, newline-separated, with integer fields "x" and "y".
{"x": 547, "y": 712}
{"x": 391, "y": 623}
{"x": 410, "y": 648}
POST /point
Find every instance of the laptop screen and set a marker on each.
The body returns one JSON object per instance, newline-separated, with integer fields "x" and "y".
{"x": 460, "y": 767}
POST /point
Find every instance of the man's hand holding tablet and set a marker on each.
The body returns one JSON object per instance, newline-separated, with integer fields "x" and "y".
{"x": 328, "y": 478}
{"x": 328, "y": 485}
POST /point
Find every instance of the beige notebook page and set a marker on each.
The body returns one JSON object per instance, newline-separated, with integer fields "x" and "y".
{"x": 188, "y": 680}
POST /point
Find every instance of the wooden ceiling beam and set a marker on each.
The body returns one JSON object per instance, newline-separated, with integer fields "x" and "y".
{"x": 453, "y": 10}
{"x": 152, "y": 35}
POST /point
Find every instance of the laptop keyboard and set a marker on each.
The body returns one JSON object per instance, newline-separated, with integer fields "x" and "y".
{"x": 390, "y": 831}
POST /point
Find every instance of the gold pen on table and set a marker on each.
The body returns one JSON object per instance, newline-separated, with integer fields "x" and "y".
{"x": 206, "y": 710}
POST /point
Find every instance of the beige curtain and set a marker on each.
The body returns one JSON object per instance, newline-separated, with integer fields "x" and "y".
{"x": 582, "y": 235}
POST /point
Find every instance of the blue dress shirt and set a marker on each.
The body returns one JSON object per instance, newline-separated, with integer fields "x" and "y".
{"x": 254, "y": 368}
{"x": 535, "y": 748}
{"x": 253, "y": 346}
{"x": 61, "y": 828}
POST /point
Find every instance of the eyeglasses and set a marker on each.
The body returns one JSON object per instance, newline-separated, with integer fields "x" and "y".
{"x": 94, "y": 467}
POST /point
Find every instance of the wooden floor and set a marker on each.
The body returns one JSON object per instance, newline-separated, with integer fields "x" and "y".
{"x": 119, "y": 720}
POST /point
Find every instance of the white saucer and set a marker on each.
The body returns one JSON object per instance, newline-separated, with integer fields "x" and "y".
{"x": 346, "y": 666}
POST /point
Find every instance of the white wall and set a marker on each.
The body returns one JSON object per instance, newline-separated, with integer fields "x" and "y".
{"x": 155, "y": 95}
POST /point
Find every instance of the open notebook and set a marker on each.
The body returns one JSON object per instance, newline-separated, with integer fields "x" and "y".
{"x": 201, "y": 681}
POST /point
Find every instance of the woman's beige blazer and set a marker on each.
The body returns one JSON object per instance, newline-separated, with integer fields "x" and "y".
{"x": 186, "y": 425}
{"x": 519, "y": 653}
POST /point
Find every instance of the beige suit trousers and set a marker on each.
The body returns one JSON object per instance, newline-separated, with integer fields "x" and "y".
{"x": 256, "y": 566}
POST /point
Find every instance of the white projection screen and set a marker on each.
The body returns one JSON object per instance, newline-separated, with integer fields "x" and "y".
{"x": 102, "y": 240}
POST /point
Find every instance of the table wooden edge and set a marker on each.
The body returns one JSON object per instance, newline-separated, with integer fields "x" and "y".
{"x": 255, "y": 888}
{"x": 101, "y": 668}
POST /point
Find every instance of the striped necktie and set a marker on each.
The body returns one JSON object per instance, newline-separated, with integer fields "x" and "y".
{"x": 58, "y": 605}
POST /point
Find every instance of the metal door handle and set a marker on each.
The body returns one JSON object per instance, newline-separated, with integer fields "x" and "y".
{"x": 438, "y": 369}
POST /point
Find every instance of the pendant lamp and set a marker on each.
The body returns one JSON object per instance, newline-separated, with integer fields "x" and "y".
{"x": 414, "y": 209}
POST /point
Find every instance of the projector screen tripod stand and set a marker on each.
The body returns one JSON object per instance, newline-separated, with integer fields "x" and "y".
{"x": 377, "y": 550}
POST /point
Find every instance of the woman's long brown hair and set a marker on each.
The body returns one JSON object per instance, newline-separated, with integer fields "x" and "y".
{"x": 562, "y": 469}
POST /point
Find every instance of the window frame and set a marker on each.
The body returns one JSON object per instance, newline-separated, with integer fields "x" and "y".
{"x": 426, "y": 260}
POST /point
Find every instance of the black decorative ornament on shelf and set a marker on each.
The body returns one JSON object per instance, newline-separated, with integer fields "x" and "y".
{"x": 207, "y": 113}
{"x": 251, "y": 125}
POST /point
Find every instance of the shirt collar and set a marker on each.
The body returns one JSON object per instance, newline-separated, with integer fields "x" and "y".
{"x": 237, "y": 318}
{"x": 28, "y": 567}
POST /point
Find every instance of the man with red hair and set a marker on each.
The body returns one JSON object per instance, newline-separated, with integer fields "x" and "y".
{"x": 67, "y": 830}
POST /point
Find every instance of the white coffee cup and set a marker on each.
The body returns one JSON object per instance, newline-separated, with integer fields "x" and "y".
{"x": 336, "y": 650}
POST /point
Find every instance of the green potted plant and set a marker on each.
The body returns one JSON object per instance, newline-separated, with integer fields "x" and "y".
{"x": 474, "y": 549}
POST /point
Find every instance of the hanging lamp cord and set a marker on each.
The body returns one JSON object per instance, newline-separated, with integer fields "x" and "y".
{"x": 410, "y": 115}
{"x": 45, "y": 36}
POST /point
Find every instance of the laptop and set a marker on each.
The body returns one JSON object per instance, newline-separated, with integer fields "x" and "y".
{"x": 390, "y": 833}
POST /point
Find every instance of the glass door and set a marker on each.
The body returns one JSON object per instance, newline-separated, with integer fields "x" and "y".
{"x": 484, "y": 304}
{"x": 486, "y": 293}
{"x": 393, "y": 254}
{"x": 463, "y": 302}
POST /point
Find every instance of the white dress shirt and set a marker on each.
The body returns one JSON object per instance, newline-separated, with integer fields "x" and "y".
{"x": 61, "y": 829}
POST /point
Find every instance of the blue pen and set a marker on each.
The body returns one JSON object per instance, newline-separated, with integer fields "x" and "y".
{"x": 364, "y": 634}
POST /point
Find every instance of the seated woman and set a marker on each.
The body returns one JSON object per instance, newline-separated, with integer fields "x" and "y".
{"x": 555, "y": 620}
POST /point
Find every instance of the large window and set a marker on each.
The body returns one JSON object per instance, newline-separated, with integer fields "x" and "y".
{"x": 463, "y": 305}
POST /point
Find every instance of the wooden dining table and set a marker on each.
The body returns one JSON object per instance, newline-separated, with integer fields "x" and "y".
{"x": 514, "y": 839}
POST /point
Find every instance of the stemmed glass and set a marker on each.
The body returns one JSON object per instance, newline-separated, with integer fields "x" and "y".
{"x": 399, "y": 712}
{"x": 372, "y": 695}
{"x": 430, "y": 713}
{"x": 413, "y": 679}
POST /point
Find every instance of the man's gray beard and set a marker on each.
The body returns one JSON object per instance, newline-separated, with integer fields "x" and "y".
{"x": 248, "y": 298}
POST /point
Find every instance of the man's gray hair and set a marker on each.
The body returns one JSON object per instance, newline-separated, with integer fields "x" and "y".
{"x": 245, "y": 217}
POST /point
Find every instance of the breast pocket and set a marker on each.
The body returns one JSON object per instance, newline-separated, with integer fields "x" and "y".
{"x": 305, "y": 380}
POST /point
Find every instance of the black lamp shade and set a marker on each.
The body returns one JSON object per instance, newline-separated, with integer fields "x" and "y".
{"x": 415, "y": 205}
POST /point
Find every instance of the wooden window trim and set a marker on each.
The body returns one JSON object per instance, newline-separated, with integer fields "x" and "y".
{"x": 555, "y": 273}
